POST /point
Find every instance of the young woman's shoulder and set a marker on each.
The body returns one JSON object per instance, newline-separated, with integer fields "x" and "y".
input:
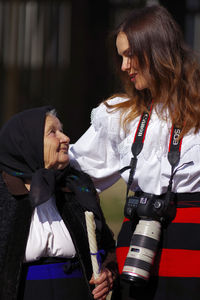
{"x": 103, "y": 113}
{"x": 116, "y": 99}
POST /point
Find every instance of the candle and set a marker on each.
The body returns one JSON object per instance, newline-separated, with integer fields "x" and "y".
{"x": 90, "y": 224}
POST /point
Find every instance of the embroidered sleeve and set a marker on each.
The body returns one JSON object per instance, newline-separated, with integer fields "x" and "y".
{"x": 96, "y": 151}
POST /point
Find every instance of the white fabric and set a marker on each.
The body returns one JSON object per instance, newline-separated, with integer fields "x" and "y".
{"x": 48, "y": 235}
{"x": 105, "y": 148}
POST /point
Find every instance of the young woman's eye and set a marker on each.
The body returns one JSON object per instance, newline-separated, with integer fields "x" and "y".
{"x": 129, "y": 54}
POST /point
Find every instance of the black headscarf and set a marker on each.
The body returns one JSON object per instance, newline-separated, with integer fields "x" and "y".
{"x": 22, "y": 152}
{"x": 21, "y": 142}
{"x": 22, "y": 155}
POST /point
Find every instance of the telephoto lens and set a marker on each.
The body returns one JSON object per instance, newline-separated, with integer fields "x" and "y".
{"x": 141, "y": 252}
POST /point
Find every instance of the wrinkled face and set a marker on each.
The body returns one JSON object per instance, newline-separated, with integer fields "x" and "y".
{"x": 130, "y": 64}
{"x": 56, "y": 144}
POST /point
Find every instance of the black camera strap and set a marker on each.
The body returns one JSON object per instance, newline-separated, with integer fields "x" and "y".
{"x": 137, "y": 145}
{"x": 173, "y": 153}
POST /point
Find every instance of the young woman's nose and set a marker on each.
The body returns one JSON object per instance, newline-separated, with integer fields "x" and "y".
{"x": 126, "y": 64}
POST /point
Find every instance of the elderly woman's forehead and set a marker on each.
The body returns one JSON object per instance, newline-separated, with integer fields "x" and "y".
{"x": 52, "y": 120}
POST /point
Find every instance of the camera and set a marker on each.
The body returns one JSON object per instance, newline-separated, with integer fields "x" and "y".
{"x": 153, "y": 213}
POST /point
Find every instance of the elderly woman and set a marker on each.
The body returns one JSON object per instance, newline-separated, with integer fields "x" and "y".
{"x": 44, "y": 251}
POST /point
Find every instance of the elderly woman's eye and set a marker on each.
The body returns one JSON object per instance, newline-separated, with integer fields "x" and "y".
{"x": 52, "y": 131}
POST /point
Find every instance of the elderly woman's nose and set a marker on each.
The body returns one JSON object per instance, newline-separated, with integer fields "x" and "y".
{"x": 64, "y": 138}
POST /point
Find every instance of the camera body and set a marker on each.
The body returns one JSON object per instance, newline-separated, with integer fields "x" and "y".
{"x": 149, "y": 206}
{"x": 153, "y": 211}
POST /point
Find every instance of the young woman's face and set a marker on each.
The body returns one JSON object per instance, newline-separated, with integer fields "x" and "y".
{"x": 56, "y": 144}
{"x": 130, "y": 64}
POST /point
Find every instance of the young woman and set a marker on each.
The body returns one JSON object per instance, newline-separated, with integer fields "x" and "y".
{"x": 152, "y": 134}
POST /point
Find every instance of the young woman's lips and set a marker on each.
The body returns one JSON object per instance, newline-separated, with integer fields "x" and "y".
{"x": 132, "y": 76}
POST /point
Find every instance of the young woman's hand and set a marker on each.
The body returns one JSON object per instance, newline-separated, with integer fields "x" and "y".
{"x": 104, "y": 284}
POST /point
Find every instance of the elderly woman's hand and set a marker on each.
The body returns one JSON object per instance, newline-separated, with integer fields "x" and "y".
{"x": 104, "y": 284}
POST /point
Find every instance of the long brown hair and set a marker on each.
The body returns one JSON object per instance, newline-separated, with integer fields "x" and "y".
{"x": 155, "y": 37}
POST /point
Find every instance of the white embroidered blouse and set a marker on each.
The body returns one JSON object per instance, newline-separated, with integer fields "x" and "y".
{"x": 105, "y": 148}
{"x": 48, "y": 235}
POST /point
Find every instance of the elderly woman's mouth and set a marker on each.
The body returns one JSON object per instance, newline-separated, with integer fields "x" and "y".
{"x": 65, "y": 149}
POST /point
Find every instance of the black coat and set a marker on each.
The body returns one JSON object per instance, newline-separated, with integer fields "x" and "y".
{"x": 15, "y": 218}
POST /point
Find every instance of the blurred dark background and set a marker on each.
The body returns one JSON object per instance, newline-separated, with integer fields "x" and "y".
{"x": 56, "y": 52}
